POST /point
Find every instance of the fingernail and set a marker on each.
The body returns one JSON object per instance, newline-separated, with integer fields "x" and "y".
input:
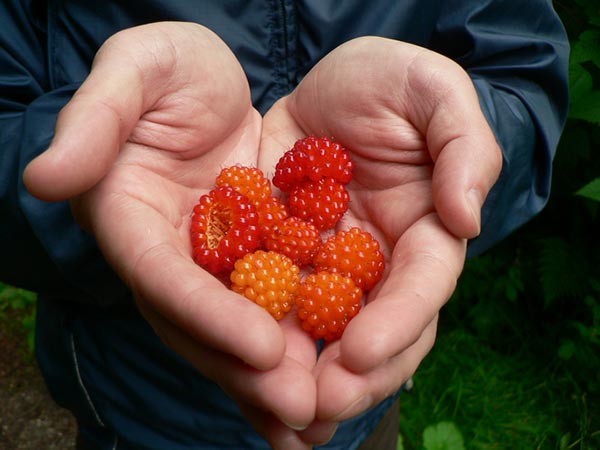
{"x": 330, "y": 435}
{"x": 475, "y": 200}
{"x": 295, "y": 427}
{"x": 355, "y": 408}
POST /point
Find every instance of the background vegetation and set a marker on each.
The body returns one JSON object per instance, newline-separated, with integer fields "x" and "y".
{"x": 517, "y": 362}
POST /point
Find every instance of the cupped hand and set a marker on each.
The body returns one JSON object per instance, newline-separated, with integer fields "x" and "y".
{"x": 425, "y": 159}
{"x": 165, "y": 107}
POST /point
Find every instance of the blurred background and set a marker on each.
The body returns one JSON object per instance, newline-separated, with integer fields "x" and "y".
{"x": 517, "y": 361}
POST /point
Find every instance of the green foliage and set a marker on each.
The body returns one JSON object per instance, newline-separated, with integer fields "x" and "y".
{"x": 15, "y": 298}
{"x": 442, "y": 436}
{"x": 497, "y": 399}
{"x": 563, "y": 270}
{"x": 582, "y": 20}
{"x": 591, "y": 190}
{"x": 23, "y": 303}
{"x": 517, "y": 361}
{"x": 542, "y": 283}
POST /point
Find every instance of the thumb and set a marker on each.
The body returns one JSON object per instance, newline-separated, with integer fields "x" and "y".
{"x": 467, "y": 158}
{"x": 89, "y": 132}
{"x": 464, "y": 173}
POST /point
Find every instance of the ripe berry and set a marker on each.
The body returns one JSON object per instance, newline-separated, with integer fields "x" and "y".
{"x": 312, "y": 159}
{"x": 321, "y": 203}
{"x": 326, "y": 302}
{"x": 224, "y": 228}
{"x": 295, "y": 238}
{"x": 249, "y": 181}
{"x": 354, "y": 253}
{"x": 271, "y": 213}
{"x": 269, "y": 279}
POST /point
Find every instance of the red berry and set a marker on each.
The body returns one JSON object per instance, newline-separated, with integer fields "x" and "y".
{"x": 271, "y": 213}
{"x": 294, "y": 238}
{"x": 249, "y": 181}
{"x": 224, "y": 228}
{"x": 321, "y": 203}
{"x": 326, "y": 303}
{"x": 312, "y": 159}
{"x": 269, "y": 279}
{"x": 354, "y": 253}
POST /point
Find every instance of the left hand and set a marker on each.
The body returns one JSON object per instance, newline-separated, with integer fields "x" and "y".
{"x": 425, "y": 159}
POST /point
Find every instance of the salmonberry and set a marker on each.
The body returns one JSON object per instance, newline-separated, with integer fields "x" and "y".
{"x": 269, "y": 279}
{"x": 313, "y": 158}
{"x": 321, "y": 203}
{"x": 249, "y": 181}
{"x": 354, "y": 253}
{"x": 294, "y": 238}
{"x": 271, "y": 213}
{"x": 224, "y": 228}
{"x": 326, "y": 302}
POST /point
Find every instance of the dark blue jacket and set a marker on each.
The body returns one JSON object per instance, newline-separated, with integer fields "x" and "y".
{"x": 516, "y": 52}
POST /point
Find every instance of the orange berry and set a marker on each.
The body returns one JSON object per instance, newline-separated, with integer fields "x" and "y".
{"x": 269, "y": 279}
{"x": 354, "y": 253}
{"x": 326, "y": 302}
{"x": 249, "y": 181}
{"x": 294, "y": 238}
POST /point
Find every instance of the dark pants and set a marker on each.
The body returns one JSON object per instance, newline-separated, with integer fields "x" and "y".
{"x": 130, "y": 392}
{"x": 385, "y": 436}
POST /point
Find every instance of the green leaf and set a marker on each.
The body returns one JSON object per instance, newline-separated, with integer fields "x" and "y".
{"x": 400, "y": 444}
{"x": 567, "y": 349}
{"x": 586, "y": 48}
{"x": 587, "y": 107}
{"x": 443, "y": 436}
{"x": 580, "y": 82}
{"x": 563, "y": 270}
{"x": 591, "y": 190}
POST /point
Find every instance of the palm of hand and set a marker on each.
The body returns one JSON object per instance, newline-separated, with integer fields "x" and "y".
{"x": 391, "y": 123}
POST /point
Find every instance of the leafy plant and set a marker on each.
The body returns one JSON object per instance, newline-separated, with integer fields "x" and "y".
{"x": 591, "y": 190}
{"x": 440, "y": 436}
{"x": 22, "y": 301}
{"x": 517, "y": 361}
{"x": 443, "y": 436}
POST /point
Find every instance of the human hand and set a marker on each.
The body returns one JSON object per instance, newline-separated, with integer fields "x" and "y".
{"x": 425, "y": 159}
{"x": 165, "y": 107}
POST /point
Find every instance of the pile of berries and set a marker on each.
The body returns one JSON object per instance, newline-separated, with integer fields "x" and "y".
{"x": 263, "y": 243}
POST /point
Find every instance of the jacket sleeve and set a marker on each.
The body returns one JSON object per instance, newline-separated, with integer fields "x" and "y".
{"x": 43, "y": 249}
{"x": 516, "y": 52}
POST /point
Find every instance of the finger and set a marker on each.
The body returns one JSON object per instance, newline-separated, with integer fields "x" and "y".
{"x": 424, "y": 269}
{"x": 287, "y": 391}
{"x": 319, "y": 432}
{"x": 464, "y": 173}
{"x": 142, "y": 88}
{"x": 201, "y": 306}
{"x": 89, "y": 132}
{"x": 153, "y": 257}
{"x": 343, "y": 394}
{"x": 300, "y": 346}
{"x": 467, "y": 158}
{"x": 279, "y": 435}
